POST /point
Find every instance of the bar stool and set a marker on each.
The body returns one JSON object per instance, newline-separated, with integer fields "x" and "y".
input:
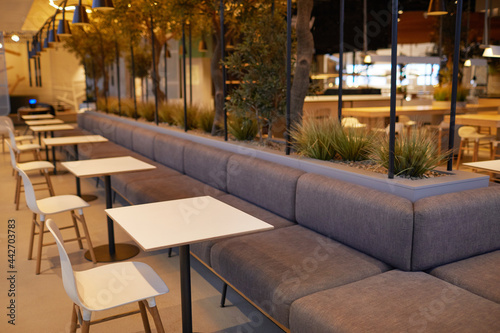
{"x": 42, "y": 166}
{"x": 6, "y": 122}
{"x": 467, "y": 135}
{"x": 494, "y": 150}
{"x": 352, "y": 122}
{"x": 85, "y": 288}
{"x": 54, "y": 205}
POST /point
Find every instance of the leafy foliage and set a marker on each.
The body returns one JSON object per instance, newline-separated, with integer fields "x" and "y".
{"x": 242, "y": 129}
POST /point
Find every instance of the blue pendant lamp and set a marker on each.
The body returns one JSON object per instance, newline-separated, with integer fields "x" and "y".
{"x": 53, "y": 37}
{"x": 80, "y": 16}
{"x": 103, "y": 5}
{"x": 63, "y": 30}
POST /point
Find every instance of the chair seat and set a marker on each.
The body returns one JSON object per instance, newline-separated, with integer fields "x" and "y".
{"x": 134, "y": 281}
{"x": 60, "y": 203}
{"x": 28, "y": 146}
{"x": 35, "y": 165}
{"x": 477, "y": 137}
{"x": 24, "y": 137}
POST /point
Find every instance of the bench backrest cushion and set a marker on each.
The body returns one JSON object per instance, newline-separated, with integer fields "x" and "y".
{"x": 169, "y": 151}
{"x": 265, "y": 184}
{"x": 455, "y": 226}
{"x": 123, "y": 134}
{"x": 206, "y": 164}
{"x": 143, "y": 142}
{"x": 376, "y": 223}
{"x": 104, "y": 126}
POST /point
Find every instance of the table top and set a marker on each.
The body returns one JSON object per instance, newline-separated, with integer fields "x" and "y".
{"x": 166, "y": 224}
{"x": 44, "y": 122}
{"x": 37, "y": 116}
{"x": 73, "y": 140}
{"x": 48, "y": 128}
{"x": 493, "y": 165}
{"x": 384, "y": 111}
{"x": 349, "y": 98}
{"x": 30, "y": 109}
{"x": 480, "y": 119}
{"x": 106, "y": 166}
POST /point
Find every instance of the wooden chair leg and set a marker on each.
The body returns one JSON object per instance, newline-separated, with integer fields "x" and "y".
{"x": 32, "y": 237}
{"x": 459, "y": 154}
{"x": 74, "y": 320}
{"x": 77, "y": 230}
{"x": 156, "y": 317}
{"x": 476, "y": 151}
{"x": 41, "y": 228}
{"x": 49, "y": 183}
{"x": 85, "y": 326}
{"x": 87, "y": 237}
{"x": 18, "y": 190}
{"x": 144, "y": 317}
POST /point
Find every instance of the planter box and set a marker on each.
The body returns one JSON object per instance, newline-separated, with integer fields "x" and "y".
{"x": 411, "y": 189}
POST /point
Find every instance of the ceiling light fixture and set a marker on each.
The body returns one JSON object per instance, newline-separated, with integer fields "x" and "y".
{"x": 437, "y": 8}
{"x": 80, "y": 16}
{"x": 15, "y": 38}
{"x": 103, "y": 5}
{"x": 492, "y": 51}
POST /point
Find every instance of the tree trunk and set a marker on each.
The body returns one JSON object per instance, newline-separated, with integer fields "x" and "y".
{"x": 305, "y": 47}
{"x": 159, "y": 46}
{"x": 216, "y": 72}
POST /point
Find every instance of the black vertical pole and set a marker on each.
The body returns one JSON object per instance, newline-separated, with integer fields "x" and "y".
{"x": 341, "y": 58}
{"x": 456, "y": 58}
{"x": 394, "y": 67}
{"x": 133, "y": 77}
{"x": 95, "y": 82}
{"x": 118, "y": 77}
{"x": 35, "y": 67}
{"x": 29, "y": 62}
{"x": 165, "y": 71}
{"x": 184, "y": 74}
{"x": 223, "y": 52}
{"x": 288, "y": 72}
{"x": 155, "y": 75}
{"x": 190, "y": 68}
{"x": 86, "y": 85}
{"x": 39, "y": 72}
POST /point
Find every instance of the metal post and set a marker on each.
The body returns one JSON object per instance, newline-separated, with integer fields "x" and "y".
{"x": 184, "y": 74}
{"x": 155, "y": 75}
{"x": 223, "y": 52}
{"x": 190, "y": 68}
{"x": 39, "y": 72}
{"x": 133, "y": 77}
{"x": 454, "y": 85}
{"x": 118, "y": 77}
{"x": 185, "y": 266}
{"x": 165, "y": 70}
{"x": 29, "y": 62}
{"x": 86, "y": 84}
{"x": 288, "y": 73}
{"x": 394, "y": 67}
{"x": 341, "y": 58}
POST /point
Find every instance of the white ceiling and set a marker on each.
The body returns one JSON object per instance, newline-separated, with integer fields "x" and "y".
{"x": 13, "y": 13}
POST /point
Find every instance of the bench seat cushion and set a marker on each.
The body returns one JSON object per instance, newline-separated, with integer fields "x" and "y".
{"x": 479, "y": 275}
{"x": 169, "y": 188}
{"x": 275, "y": 268}
{"x": 102, "y": 150}
{"x": 202, "y": 250}
{"x": 395, "y": 301}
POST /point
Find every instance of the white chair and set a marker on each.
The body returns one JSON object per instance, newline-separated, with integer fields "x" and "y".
{"x": 42, "y": 166}
{"x": 352, "y": 122}
{"x": 22, "y": 148}
{"x": 98, "y": 289}
{"x": 6, "y": 122}
{"x": 469, "y": 134}
{"x": 54, "y": 205}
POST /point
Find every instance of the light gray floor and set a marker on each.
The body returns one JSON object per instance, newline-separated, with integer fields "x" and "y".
{"x": 43, "y": 306}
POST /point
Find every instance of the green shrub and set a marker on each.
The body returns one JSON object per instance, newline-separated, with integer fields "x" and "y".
{"x": 177, "y": 112}
{"x": 443, "y": 93}
{"x": 128, "y": 108}
{"x": 165, "y": 113}
{"x": 315, "y": 138}
{"x": 146, "y": 111}
{"x": 242, "y": 128}
{"x": 205, "y": 119}
{"x": 353, "y": 144}
{"x": 113, "y": 105}
{"x": 414, "y": 154}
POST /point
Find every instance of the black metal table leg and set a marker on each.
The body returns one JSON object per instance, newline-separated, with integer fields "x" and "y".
{"x": 185, "y": 268}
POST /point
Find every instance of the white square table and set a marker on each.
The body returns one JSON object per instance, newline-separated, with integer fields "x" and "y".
{"x": 39, "y": 129}
{"x": 182, "y": 222}
{"x": 492, "y": 165}
{"x": 75, "y": 141}
{"x": 107, "y": 167}
{"x": 37, "y": 116}
{"x": 44, "y": 122}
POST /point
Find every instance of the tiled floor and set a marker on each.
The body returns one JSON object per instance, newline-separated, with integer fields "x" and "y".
{"x": 43, "y": 306}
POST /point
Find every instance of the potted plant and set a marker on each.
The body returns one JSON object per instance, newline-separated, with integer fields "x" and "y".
{"x": 442, "y": 96}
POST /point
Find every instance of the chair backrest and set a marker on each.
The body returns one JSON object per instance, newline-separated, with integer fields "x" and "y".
{"x": 68, "y": 276}
{"x": 12, "y": 138}
{"x": 12, "y": 156}
{"x": 29, "y": 192}
{"x": 466, "y": 131}
{"x": 350, "y": 122}
{"x": 5, "y": 123}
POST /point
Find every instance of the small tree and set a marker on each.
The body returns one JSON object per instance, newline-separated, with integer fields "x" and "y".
{"x": 259, "y": 63}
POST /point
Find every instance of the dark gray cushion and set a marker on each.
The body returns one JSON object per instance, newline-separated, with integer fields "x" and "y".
{"x": 143, "y": 142}
{"x": 169, "y": 151}
{"x": 376, "y": 223}
{"x": 105, "y": 127}
{"x": 88, "y": 121}
{"x": 206, "y": 164}
{"x": 455, "y": 226}
{"x": 268, "y": 185}
{"x": 169, "y": 188}
{"x": 202, "y": 250}
{"x": 123, "y": 134}
{"x": 102, "y": 150}
{"x": 275, "y": 268}
{"x": 395, "y": 302}
{"x": 480, "y": 275}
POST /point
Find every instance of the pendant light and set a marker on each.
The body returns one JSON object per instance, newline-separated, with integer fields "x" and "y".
{"x": 103, "y": 5}
{"x": 63, "y": 30}
{"x": 53, "y": 37}
{"x": 437, "y": 8}
{"x": 80, "y": 16}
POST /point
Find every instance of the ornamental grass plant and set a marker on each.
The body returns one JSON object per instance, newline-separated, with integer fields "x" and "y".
{"x": 353, "y": 144}
{"x": 315, "y": 138}
{"x": 205, "y": 119}
{"x": 242, "y": 128}
{"x": 415, "y": 153}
